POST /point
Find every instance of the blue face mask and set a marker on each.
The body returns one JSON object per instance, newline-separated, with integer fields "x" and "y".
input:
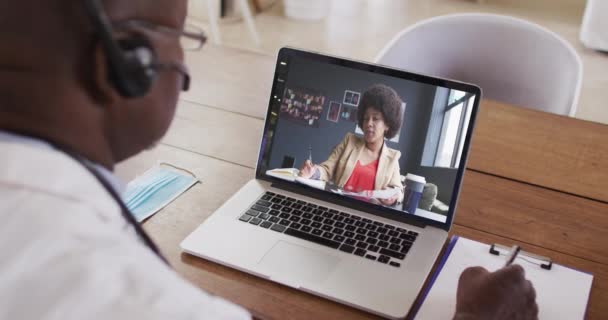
{"x": 155, "y": 189}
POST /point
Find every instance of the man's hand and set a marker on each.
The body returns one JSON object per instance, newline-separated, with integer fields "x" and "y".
{"x": 504, "y": 294}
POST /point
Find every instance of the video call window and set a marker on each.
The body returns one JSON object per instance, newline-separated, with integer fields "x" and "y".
{"x": 317, "y": 137}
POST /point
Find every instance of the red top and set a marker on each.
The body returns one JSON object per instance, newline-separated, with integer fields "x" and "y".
{"x": 363, "y": 177}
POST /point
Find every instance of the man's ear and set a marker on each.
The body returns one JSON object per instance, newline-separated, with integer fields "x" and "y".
{"x": 104, "y": 88}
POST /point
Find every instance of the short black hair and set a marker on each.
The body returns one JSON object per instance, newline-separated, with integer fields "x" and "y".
{"x": 384, "y": 99}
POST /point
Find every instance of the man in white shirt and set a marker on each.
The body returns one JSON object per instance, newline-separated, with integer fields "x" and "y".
{"x": 70, "y": 109}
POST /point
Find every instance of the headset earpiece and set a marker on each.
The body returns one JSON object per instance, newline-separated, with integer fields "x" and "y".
{"x": 130, "y": 60}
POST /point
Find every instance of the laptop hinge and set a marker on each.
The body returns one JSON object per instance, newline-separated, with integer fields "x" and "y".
{"x": 345, "y": 202}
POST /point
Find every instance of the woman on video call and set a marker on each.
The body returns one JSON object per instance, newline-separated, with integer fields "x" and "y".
{"x": 366, "y": 163}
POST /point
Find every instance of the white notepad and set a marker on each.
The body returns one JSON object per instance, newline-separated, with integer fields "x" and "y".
{"x": 562, "y": 293}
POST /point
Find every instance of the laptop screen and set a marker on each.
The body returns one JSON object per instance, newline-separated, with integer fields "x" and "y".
{"x": 372, "y": 138}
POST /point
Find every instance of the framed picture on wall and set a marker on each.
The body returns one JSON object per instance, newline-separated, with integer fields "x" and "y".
{"x": 349, "y": 113}
{"x": 351, "y": 98}
{"x": 303, "y": 106}
{"x": 333, "y": 114}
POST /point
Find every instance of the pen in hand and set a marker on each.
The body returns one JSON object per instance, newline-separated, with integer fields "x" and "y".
{"x": 512, "y": 255}
{"x": 310, "y": 153}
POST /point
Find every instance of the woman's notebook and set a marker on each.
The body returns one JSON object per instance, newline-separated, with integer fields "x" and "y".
{"x": 562, "y": 293}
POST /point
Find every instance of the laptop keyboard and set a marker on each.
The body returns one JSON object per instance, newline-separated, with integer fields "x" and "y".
{"x": 352, "y": 234}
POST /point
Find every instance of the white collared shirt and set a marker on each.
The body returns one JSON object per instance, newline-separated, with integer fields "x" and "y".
{"x": 65, "y": 252}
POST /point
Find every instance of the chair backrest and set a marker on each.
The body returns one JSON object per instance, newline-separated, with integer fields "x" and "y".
{"x": 512, "y": 60}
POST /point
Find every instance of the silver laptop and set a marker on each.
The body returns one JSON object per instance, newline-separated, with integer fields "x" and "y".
{"x": 324, "y": 236}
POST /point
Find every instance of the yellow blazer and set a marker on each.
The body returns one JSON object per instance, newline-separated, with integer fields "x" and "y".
{"x": 342, "y": 160}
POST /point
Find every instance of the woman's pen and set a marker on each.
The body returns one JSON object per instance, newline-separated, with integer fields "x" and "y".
{"x": 310, "y": 153}
{"x": 512, "y": 255}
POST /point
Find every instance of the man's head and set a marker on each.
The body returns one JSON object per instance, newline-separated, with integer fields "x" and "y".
{"x": 55, "y": 75}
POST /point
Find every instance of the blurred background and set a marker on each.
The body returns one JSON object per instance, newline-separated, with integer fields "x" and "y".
{"x": 359, "y": 29}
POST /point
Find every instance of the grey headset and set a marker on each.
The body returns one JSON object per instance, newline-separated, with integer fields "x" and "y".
{"x": 130, "y": 61}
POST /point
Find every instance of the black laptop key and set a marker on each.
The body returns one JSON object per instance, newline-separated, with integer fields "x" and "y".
{"x": 307, "y": 209}
{"x": 327, "y": 235}
{"x": 360, "y": 237}
{"x": 350, "y": 227}
{"x": 351, "y": 242}
{"x": 294, "y": 218}
{"x": 370, "y": 257}
{"x": 366, "y": 220}
{"x": 383, "y": 244}
{"x": 306, "y": 228}
{"x": 384, "y": 259}
{"x": 340, "y": 225}
{"x": 317, "y": 232}
{"x": 373, "y": 234}
{"x": 394, "y": 247}
{"x": 280, "y": 196}
{"x": 371, "y": 240}
{"x": 327, "y": 215}
{"x": 316, "y": 225}
{"x": 264, "y": 216}
{"x": 373, "y": 248}
{"x": 286, "y": 203}
{"x": 296, "y": 206}
{"x": 347, "y": 248}
{"x": 317, "y": 211}
{"x": 264, "y": 203}
{"x": 295, "y": 225}
{"x": 415, "y": 234}
{"x": 393, "y": 233}
{"x": 338, "y": 231}
{"x": 349, "y": 221}
{"x": 384, "y": 237}
{"x": 401, "y": 230}
{"x": 329, "y": 221}
{"x": 297, "y": 212}
{"x": 378, "y": 223}
{"x": 405, "y": 250}
{"x": 338, "y": 218}
{"x": 287, "y": 209}
{"x": 394, "y": 264}
{"x": 339, "y": 238}
{"x": 274, "y": 219}
{"x": 388, "y": 226}
{"x": 260, "y": 208}
{"x": 344, "y": 214}
{"x": 301, "y": 202}
{"x": 382, "y": 230}
{"x": 360, "y": 224}
{"x": 267, "y": 197}
{"x": 266, "y": 224}
{"x": 391, "y": 253}
{"x": 326, "y": 228}
{"x": 349, "y": 234}
{"x": 371, "y": 227}
{"x": 361, "y": 231}
{"x": 284, "y": 215}
{"x": 275, "y": 200}
{"x": 253, "y": 213}
{"x": 274, "y": 212}
{"x": 407, "y": 237}
{"x": 307, "y": 215}
{"x": 256, "y": 221}
{"x": 277, "y": 206}
{"x": 355, "y": 217}
{"x": 305, "y": 222}
{"x": 317, "y": 218}
{"x": 278, "y": 228}
{"x": 360, "y": 252}
{"x": 361, "y": 245}
{"x": 395, "y": 240}
{"x": 245, "y": 218}
{"x": 312, "y": 238}
{"x": 322, "y": 208}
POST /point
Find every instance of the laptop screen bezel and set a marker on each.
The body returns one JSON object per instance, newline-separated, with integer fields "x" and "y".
{"x": 285, "y": 54}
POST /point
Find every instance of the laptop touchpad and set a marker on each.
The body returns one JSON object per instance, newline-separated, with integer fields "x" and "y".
{"x": 296, "y": 265}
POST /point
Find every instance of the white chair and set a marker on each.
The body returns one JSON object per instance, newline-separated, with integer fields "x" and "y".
{"x": 512, "y": 60}
{"x": 213, "y": 12}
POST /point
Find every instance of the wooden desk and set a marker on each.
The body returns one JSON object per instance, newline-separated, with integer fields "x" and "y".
{"x": 534, "y": 179}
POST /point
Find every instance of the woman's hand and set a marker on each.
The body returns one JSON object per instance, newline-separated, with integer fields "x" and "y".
{"x": 307, "y": 170}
